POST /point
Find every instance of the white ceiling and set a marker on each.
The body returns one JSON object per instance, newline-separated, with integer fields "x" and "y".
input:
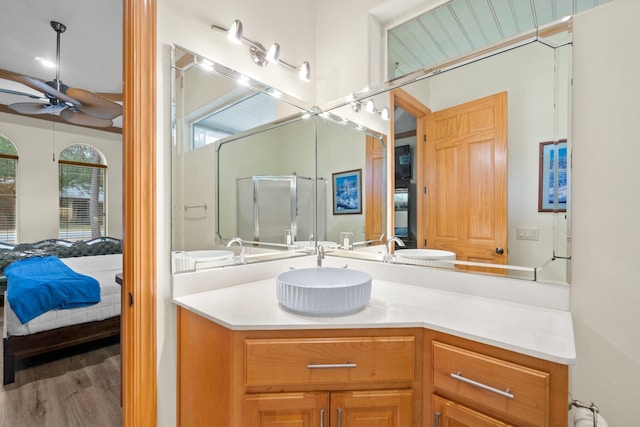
{"x": 91, "y": 47}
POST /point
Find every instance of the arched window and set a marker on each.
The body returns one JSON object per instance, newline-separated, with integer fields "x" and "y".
{"x": 8, "y": 167}
{"x": 82, "y": 193}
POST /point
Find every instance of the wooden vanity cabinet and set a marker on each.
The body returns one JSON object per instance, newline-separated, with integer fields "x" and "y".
{"x": 473, "y": 384}
{"x": 314, "y": 378}
{"x": 396, "y": 377}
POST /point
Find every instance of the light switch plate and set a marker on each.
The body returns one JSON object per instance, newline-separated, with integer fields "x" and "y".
{"x": 527, "y": 233}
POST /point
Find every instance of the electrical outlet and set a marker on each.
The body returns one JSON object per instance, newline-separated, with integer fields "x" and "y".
{"x": 527, "y": 233}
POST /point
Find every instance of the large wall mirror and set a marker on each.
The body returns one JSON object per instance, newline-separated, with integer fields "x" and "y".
{"x": 473, "y": 199}
{"x": 342, "y": 158}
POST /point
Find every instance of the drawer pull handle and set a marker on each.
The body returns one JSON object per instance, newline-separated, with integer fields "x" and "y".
{"x": 349, "y": 364}
{"x": 339, "y": 417}
{"x": 459, "y": 377}
{"x": 322, "y": 417}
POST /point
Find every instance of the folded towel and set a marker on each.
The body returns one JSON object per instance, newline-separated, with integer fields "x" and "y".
{"x": 37, "y": 285}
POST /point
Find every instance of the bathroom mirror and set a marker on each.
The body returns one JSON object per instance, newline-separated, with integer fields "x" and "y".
{"x": 538, "y": 94}
{"x": 535, "y": 77}
{"x": 227, "y": 127}
{"x": 269, "y": 198}
{"x": 266, "y": 192}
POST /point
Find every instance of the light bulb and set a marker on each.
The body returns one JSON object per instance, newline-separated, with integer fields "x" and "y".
{"x": 371, "y": 106}
{"x": 273, "y": 54}
{"x": 234, "y": 34}
{"x": 305, "y": 72}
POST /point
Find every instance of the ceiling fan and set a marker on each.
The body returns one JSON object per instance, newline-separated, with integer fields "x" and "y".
{"x": 77, "y": 106}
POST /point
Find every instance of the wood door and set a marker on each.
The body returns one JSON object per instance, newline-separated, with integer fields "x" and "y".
{"x": 381, "y": 408}
{"x": 286, "y": 410}
{"x": 466, "y": 180}
{"x": 450, "y": 414}
{"x": 374, "y": 189}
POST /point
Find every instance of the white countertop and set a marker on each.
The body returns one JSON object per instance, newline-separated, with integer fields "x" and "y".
{"x": 532, "y": 330}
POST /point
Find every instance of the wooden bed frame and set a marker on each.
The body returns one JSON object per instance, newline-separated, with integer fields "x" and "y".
{"x": 21, "y": 346}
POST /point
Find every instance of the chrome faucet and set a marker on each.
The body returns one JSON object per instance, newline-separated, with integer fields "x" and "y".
{"x": 388, "y": 257}
{"x": 320, "y": 253}
{"x": 241, "y": 258}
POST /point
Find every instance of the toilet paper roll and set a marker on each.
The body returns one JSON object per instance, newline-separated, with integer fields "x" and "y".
{"x": 583, "y": 417}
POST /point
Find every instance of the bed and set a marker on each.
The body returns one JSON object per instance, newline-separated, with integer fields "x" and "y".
{"x": 100, "y": 259}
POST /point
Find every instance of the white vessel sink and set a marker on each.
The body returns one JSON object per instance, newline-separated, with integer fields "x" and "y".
{"x": 194, "y": 260}
{"x": 323, "y": 291}
{"x": 428, "y": 257}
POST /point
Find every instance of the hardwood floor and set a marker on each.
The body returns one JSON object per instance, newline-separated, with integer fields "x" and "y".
{"x": 71, "y": 388}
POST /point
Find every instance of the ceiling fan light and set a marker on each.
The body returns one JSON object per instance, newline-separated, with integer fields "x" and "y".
{"x": 234, "y": 34}
{"x": 305, "y": 72}
{"x": 46, "y": 62}
{"x": 273, "y": 54}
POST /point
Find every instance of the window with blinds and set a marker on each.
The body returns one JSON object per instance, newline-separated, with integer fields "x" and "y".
{"x": 82, "y": 175}
{"x": 8, "y": 166}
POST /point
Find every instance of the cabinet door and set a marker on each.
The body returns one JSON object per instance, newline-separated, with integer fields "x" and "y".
{"x": 450, "y": 414}
{"x": 382, "y": 408}
{"x": 286, "y": 409}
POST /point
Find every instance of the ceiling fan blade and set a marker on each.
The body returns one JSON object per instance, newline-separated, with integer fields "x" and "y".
{"x": 15, "y": 92}
{"x": 36, "y": 108}
{"x": 84, "y": 119}
{"x": 43, "y": 87}
{"x": 94, "y": 104}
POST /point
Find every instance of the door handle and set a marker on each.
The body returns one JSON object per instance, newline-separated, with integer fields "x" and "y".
{"x": 500, "y": 250}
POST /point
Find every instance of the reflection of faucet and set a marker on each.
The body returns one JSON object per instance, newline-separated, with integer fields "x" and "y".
{"x": 240, "y": 259}
{"x": 320, "y": 255}
{"x": 387, "y": 254}
{"x": 368, "y": 242}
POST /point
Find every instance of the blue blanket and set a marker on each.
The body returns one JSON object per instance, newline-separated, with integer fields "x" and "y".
{"x": 37, "y": 285}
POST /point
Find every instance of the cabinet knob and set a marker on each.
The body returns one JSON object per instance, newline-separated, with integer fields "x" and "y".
{"x": 499, "y": 250}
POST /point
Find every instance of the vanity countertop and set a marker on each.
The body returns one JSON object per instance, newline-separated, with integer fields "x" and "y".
{"x": 535, "y": 331}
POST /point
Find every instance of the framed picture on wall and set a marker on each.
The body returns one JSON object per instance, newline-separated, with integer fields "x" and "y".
{"x": 347, "y": 192}
{"x": 552, "y": 186}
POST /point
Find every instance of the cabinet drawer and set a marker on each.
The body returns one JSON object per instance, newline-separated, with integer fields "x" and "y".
{"x": 487, "y": 383}
{"x": 329, "y": 360}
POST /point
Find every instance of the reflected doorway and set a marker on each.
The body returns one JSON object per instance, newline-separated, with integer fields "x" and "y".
{"x": 460, "y": 175}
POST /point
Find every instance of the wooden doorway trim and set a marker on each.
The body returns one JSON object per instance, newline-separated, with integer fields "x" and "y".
{"x": 401, "y": 98}
{"x": 138, "y": 329}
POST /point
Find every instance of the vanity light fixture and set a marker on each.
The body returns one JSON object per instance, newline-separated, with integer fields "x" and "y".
{"x": 260, "y": 55}
{"x": 370, "y": 107}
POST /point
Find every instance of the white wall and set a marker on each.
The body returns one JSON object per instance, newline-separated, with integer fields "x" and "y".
{"x": 605, "y": 291}
{"x": 187, "y": 23}
{"x": 37, "y": 141}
